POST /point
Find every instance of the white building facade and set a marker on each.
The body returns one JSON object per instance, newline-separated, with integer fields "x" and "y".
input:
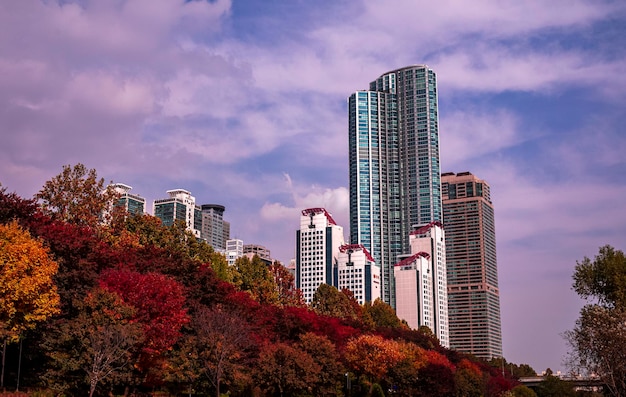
{"x": 358, "y": 272}
{"x": 180, "y": 206}
{"x": 317, "y": 245}
{"x": 429, "y": 239}
{"x": 414, "y": 290}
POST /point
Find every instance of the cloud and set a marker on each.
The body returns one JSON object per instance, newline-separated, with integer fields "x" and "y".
{"x": 475, "y": 132}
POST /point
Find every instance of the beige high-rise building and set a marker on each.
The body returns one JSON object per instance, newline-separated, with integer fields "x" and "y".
{"x": 473, "y": 294}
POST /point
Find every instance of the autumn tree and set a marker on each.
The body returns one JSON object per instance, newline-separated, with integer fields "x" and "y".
{"x": 77, "y": 196}
{"x": 283, "y": 370}
{"x": 325, "y": 355}
{"x": 28, "y": 294}
{"x": 329, "y": 301}
{"x": 436, "y": 378}
{"x": 98, "y": 344}
{"x": 380, "y": 314}
{"x": 222, "y": 338}
{"x": 254, "y": 276}
{"x": 598, "y": 341}
{"x": 288, "y": 294}
{"x": 468, "y": 379}
{"x": 372, "y": 356}
{"x": 403, "y": 375}
{"x": 159, "y": 303}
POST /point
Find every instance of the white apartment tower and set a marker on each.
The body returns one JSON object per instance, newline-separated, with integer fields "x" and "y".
{"x": 414, "y": 289}
{"x": 234, "y": 250}
{"x": 317, "y": 245}
{"x": 358, "y": 272}
{"x": 428, "y": 239}
{"x": 180, "y": 206}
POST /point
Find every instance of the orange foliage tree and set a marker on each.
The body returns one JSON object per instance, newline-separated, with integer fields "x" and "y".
{"x": 28, "y": 293}
{"x": 372, "y": 356}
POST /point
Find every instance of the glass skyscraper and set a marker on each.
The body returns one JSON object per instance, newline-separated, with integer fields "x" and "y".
{"x": 395, "y": 181}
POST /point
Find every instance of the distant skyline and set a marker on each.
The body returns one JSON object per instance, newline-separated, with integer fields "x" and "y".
{"x": 243, "y": 103}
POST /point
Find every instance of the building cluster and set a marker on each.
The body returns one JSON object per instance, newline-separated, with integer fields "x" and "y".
{"x": 205, "y": 221}
{"x": 421, "y": 240}
{"x": 432, "y": 235}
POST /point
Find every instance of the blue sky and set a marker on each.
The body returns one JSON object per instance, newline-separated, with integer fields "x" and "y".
{"x": 244, "y": 104}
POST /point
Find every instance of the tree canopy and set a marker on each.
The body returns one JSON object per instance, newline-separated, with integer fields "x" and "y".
{"x": 28, "y": 292}
{"x": 598, "y": 341}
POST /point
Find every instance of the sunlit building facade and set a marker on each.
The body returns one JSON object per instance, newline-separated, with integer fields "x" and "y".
{"x": 214, "y": 230}
{"x": 394, "y": 164}
{"x": 180, "y": 206}
{"x": 317, "y": 245}
{"x": 473, "y": 293}
{"x": 358, "y": 272}
{"x": 132, "y": 203}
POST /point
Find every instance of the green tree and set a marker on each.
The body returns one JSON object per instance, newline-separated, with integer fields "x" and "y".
{"x": 255, "y": 277}
{"x": 598, "y": 341}
{"x": 522, "y": 391}
{"x": 552, "y": 386}
{"x": 329, "y": 301}
{"x": 77, "y": 196}
{"x": 381, "y": 314}
{"x": 28, "y": 294}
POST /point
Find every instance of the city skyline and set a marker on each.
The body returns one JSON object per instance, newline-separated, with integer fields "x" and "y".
{"x": 243, "y": 103}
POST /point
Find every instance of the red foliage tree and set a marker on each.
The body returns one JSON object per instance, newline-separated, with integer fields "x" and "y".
{"x": 159, "y": 301}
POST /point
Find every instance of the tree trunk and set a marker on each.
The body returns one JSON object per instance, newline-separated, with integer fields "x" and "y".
{"x": 4, "y": 353}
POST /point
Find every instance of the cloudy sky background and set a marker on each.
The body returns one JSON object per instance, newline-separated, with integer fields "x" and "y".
{"x": 244, "y": 104}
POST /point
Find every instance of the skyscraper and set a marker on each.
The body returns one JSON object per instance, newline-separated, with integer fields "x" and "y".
{"x": 394, "y": 164}
{"x": 180, "y": 206}
{"x": 214, "y": 229}
{"x": 132, "y": 203}
{"x": 473, "y": 294}
{"x": 317, "y": 245}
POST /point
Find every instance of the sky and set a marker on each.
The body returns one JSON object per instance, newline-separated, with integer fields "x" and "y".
{"x": 244, "y": 104}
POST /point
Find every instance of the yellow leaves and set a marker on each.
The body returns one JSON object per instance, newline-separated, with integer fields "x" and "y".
{"x": 27, "y": 292}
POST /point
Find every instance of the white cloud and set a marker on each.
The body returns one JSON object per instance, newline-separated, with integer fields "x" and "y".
{"x": 472, "y": 132}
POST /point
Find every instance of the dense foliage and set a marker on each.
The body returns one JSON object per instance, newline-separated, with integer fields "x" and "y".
{"x": 144, "y": 308}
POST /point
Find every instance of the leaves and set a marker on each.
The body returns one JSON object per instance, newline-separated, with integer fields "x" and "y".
{"x": 76, "y": 196}
{"x": 28, "y": 294}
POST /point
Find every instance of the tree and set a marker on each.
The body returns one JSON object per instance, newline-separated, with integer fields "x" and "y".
{"x": 222, "y": 338}
{"x": 522, "y": 391}
{"x": 329, "y": 301}
{"x": 552, "y": 386}
{"x": 372, "y": 356}
{"x": 468, "y": 379}
{"x": 99, "y": 343}
{"x": 325, "y": 355}
{"x": 598, "y": 341}
{"x": 381, "y": 314}
{"x": 599, "y": 346}
{"x": 604, "y": 278}
{"x": 159, "y": 307}
{"x": 283, "y": 370}
{"x": 77, "y": 196}
{"x": 288, "y": 294}
{"x": 28, "y": 293}
{"x": 255, "y": 277}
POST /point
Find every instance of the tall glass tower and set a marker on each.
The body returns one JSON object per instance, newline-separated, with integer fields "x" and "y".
{"x": 395, "y": 181}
